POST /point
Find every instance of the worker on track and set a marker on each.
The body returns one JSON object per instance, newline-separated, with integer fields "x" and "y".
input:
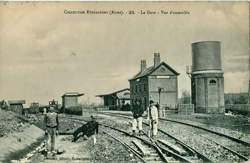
{"x": 152, "y": 113}
{"x": 137, "y": 111}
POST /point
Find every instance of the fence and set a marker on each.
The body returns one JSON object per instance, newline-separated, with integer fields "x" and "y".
{"x": 238, "y": 108}
{"x": 185, "y": 109}
{"x": 116, "y": 107}
{"x": 74, "y": 110}
{"x": 101, "y": 108}
{"x": 167, "y": 109}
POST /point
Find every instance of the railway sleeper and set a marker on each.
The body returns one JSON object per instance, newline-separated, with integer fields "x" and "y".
{"x": 142, "y": 149}
{"x": 154, "y": 154}
{"x": 152, "y": 158}
{"x": 149, "y": 154}
{"x": 170, "y": 160}
{"x": 173, "y": 147}
{"x": 154, "y": 162}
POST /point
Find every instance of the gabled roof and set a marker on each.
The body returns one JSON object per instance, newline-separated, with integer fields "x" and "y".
{"x": 151, "y": 69}
{"x": 125, "y": 89}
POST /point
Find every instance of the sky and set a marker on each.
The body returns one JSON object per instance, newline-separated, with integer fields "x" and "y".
{"x": 45, "y": 52}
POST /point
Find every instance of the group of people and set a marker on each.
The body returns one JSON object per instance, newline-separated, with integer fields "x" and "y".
{"x": 152, "y": 117}
{"x": 90, "y": 129}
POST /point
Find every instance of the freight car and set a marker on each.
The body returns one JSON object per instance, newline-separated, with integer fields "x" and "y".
{"x": 34, "y": 108}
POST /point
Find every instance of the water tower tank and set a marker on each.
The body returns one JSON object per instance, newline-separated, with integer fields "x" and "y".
{"x": 207, "y": 81}
{"x": 206, "y": 55}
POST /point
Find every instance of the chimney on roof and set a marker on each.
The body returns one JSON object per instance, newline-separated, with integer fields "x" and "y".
{"x": 157, "y": 59}
{"x": 143, "y": 65}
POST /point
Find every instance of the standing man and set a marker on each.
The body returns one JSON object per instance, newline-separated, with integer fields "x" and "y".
{"x": 137, "y": 111}
{"x": 52, "y": 126}
{"x": 153, "y": 119}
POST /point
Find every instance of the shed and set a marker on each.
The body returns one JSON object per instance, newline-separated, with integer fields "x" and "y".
{"x": 118, "y": 100}
{"x": 17, "y": 106}
{"x": 70, "y": 99}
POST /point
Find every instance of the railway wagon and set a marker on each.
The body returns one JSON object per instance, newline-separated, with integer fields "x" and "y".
{"x": 34, "y": 108}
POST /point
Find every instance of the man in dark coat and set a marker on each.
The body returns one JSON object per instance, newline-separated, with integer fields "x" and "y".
{"x": 137, "y": 111}
{"x": 90, "y": 129}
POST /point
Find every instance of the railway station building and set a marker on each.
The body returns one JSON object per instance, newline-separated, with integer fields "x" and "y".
{"x": 158, "y": 82}
{"x": 118, "y": 100}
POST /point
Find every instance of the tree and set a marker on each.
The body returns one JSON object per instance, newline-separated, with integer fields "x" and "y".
{"x": 185, "y": 97}
{"x": 241, "y": 100}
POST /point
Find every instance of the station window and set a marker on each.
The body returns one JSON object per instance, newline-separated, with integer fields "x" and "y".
{"x": 162, "y": 69}
{"x": 212, "y": 82}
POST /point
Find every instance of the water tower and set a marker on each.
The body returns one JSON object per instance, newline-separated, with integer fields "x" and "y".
{"x": 207, "y": 81}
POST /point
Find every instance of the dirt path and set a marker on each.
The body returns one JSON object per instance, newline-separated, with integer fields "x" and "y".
{"x": 74, "y": 151}
{"x": 18, "y": 143}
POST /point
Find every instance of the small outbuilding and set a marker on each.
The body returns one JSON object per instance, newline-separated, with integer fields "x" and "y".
{"x": 118, "y": 100}
{"x": 17, "y": 106}
{"x": 70, "y": 99}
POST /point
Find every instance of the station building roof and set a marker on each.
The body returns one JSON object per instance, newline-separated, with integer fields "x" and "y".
{"x": 126, "y": 95}
{"x": 151, "y": 69}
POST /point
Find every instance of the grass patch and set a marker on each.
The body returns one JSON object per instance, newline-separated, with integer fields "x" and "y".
{"x": 21, "y": 153}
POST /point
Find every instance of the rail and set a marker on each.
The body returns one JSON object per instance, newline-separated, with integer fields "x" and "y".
{"x": 190, "y": 148}
{"x": 161, "y": 150}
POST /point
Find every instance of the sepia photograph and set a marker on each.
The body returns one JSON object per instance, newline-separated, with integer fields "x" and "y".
{"x": 124, "y": 82}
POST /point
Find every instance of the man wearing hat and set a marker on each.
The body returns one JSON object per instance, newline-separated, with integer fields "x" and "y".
{"x": 52, "y": 125}
{"x": 153, "y": 118}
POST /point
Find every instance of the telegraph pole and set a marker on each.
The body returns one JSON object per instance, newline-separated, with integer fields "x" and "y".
{"x": 159, "y": 91}
{"x": 188, "y": 72}
{"x": 249, "y": 77}
{"x": 249, "y": 69}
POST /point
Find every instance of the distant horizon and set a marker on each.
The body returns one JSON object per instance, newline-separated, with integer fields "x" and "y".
{"x": 89, "y": 102}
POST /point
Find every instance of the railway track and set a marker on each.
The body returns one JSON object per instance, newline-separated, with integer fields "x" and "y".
{"x": 154, "y": 151}
{"x": 140, "y": 149}
{"x": 167, "y": 149}
{"x": 240, "y": 144}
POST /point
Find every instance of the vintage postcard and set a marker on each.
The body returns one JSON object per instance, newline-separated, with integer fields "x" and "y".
{"x": 124, "y": 82}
